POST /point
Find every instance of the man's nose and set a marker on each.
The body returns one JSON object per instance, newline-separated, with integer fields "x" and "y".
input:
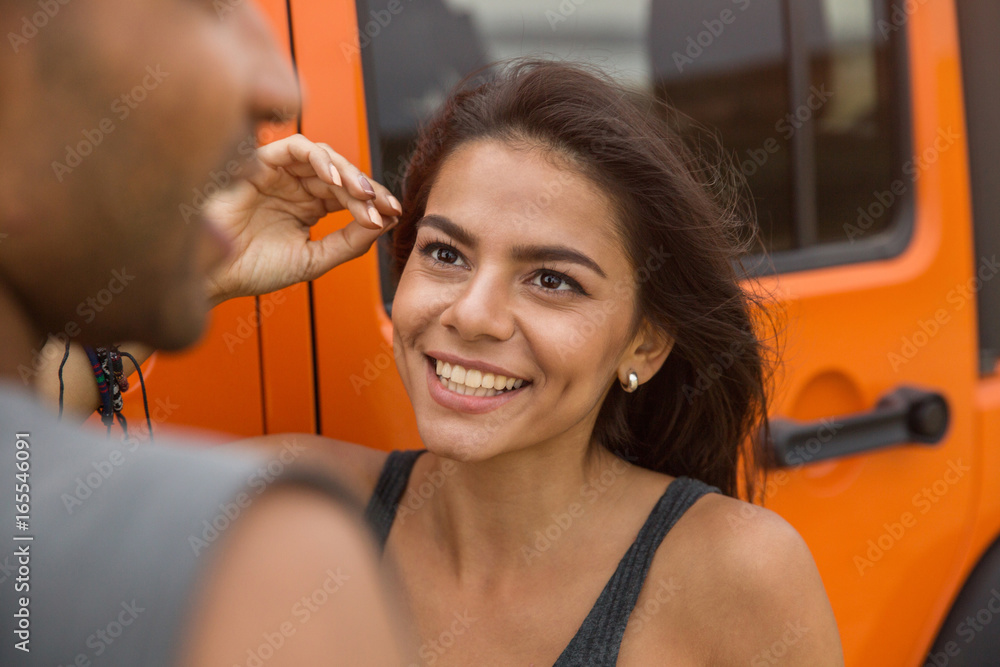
{"x": 275, "y": 93}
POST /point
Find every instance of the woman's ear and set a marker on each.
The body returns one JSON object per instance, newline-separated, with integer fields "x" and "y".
{"x": 646, "y": 354}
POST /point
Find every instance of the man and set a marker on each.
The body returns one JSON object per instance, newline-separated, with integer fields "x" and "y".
{"x": 113, "y": 113}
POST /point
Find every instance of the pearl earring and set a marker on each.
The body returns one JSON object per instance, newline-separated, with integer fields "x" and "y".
{"x": 633, "y": 382}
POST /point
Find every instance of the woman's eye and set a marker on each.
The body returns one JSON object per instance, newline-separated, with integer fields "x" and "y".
{"x": 441, "y": 253}
{"x": 553, "y": 281}
{"x": 445, "y": 255}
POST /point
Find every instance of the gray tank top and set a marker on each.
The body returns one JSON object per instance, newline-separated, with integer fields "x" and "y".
{"x": 117, "y": 536}
{"x": 597, "y": 642}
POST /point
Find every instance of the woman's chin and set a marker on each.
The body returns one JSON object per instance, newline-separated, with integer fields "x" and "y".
{"x": 464, "y": 447}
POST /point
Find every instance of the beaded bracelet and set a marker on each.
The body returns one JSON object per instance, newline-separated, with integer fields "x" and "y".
{"x": 109, "y": 370}
{"x": 107, "y": 407}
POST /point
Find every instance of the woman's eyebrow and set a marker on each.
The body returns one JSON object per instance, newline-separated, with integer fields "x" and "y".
{"x": 555, "y": 253}
{"x": 448, "y": 227}
{"x": 520, "y": 253}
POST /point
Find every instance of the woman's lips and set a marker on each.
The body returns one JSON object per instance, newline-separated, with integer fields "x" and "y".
{"x": 462, "y": 403}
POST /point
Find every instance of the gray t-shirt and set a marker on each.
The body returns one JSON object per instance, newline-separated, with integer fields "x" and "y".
{"x": 103, "y": 541}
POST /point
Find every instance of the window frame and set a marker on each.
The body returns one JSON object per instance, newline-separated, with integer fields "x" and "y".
{"x": 892, "y": 241}
{"x": 982, "y": 102}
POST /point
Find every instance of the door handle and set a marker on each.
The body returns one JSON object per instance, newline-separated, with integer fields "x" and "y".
{"x": 907, "y": 414}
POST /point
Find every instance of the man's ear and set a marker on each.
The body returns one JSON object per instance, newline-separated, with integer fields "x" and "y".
{"x": 646, "y": 354}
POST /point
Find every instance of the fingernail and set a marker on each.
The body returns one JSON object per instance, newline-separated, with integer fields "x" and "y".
{"x": 366, "y": 185}
{"x": 396, "y": 206}
{"x": 335, "y": 175}
{"x": 374, "y": 216}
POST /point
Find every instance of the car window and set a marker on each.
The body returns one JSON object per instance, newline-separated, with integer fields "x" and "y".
{"x": 804, "y": 95}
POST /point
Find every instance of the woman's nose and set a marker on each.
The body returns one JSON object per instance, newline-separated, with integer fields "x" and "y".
{"x": 480, "y": 307}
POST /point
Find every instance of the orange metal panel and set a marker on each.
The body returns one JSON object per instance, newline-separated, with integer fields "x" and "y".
{"x": 361, "y": 397}
{"x": 284, "y": 317}
{"x": 890, "y": 530}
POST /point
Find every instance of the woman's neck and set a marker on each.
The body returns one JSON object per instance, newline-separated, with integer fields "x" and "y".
{"x": 494, "y": 518}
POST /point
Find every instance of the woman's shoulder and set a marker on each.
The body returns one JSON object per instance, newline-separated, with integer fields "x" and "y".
{"x": 731, "y": 532}
{"x": 726, "y": 539}
{"x": 748, "y": 581}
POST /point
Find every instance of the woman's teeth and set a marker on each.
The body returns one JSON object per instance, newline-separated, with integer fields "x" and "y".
{"x": 471, "y": 382}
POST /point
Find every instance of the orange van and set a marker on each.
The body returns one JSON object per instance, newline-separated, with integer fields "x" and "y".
{"x": 866, "y": 130}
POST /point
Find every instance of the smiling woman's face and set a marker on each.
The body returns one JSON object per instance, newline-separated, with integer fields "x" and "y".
{"x": 517, "y": 271}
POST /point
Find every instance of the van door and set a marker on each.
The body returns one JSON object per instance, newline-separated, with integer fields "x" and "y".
{"x": 845, "y": 117}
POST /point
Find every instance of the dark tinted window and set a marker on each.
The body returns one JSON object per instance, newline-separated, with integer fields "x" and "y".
{"x": 802, "y": 93}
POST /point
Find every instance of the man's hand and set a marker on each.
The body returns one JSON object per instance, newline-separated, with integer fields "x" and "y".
{"x": 268, "y": 217}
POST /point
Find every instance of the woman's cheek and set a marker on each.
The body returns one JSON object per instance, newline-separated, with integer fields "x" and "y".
{"x": 564, "y": 337}
{"x": 418, "y": 301}
{"x": 580, "y": 339}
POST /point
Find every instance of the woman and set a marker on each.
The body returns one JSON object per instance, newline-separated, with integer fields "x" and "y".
{"x": 565, "y": 279}
{"x": 566, "y": 285}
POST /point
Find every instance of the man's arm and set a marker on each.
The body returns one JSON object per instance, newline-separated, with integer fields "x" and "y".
{"x": 80, "y": 397}
{"x": 297, "y": 579}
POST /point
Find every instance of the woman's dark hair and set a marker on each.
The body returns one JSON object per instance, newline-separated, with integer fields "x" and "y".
{"x": 706, "y": 409}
